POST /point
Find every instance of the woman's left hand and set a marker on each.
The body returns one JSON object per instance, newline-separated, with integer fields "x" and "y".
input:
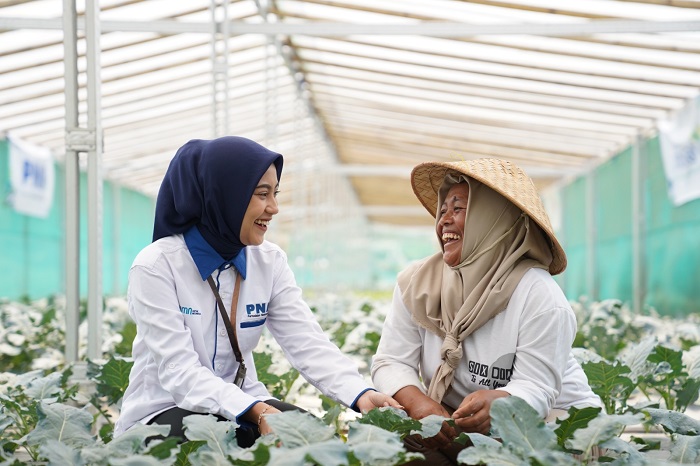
{"x": 473, "y": 414}
{"x": 373, "y": 399}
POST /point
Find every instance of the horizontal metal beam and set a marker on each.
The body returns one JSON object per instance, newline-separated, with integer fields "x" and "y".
{"x": 404, "y": 171}
{"x": 291, "y": 212}
{"x": 401, "y": 171}
{"x": 329, "y": 29}
{"x": 394, "y": 211}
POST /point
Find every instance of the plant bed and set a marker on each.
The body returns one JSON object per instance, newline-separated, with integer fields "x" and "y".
{"x": 640, "y": 366}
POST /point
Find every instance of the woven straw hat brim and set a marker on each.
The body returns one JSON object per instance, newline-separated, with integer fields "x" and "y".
{"x": 500, "y": 175}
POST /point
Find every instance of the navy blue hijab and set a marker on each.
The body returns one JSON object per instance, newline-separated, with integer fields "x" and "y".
{"x": 209, "y": 184}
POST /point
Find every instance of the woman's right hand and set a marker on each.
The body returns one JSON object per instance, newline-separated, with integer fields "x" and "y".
{"x": 264, "y": 428}
{"x": 418, "y": 405}
{"x": 257, "y": 414}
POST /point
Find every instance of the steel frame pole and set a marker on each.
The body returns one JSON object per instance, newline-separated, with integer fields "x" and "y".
{"x": 638, "y": 226}
{"x": 72, "y": 180}
{"x": 591, "y": 238}
{"x": 95, "y": 176}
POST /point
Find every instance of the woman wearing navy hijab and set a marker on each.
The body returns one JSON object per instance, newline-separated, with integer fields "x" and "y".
{"x": 213, "y": 208}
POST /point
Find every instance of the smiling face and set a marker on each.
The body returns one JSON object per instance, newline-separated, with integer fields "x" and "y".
{"x": 262, "y": 206}
{"x": 450, "y": 224}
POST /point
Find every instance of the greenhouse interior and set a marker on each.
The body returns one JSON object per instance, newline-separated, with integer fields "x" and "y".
{"x": 598, "y": 101}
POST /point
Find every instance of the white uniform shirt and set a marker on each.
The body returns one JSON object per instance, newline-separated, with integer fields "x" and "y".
{"x": 524, "y": 350}
{"x": 182, "y": 354}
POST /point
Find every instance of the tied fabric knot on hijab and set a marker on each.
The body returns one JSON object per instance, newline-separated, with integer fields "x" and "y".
{"x": 451, "y": 351}
{"x": 451, "y": 354}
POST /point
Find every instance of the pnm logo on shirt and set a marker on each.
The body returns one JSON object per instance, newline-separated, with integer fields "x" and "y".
{"x": 256, "y": 314}
{"x": 189, "y": 311}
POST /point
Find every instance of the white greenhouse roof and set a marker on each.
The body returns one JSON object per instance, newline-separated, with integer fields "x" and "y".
{"x": 376, "y": 85}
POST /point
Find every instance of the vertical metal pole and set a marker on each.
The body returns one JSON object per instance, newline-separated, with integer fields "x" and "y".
{"x": 272, "y": 49}
{"x": 592, "y": 238}
{"x": 116, "y": 239}
{"x": 95, "y": 195}
{"x": 638, "y": 226}
{"x": 72, "y": 226}
{"x": 562, "y": 233}
{"x": 219, "y": 57}
{"x": 214, "y": 105}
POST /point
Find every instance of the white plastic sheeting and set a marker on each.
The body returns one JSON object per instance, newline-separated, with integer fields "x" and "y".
{"x": 360, "y": 90}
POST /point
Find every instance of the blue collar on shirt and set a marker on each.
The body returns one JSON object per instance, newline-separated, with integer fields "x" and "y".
{"x": 207, "y": 259}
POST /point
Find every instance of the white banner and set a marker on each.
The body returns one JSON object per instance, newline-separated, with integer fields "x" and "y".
{"x": 32, "y": 178}
{"x": 680, "y": 151}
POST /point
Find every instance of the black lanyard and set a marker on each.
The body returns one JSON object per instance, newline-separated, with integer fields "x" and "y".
{"x": 231, "y": 329}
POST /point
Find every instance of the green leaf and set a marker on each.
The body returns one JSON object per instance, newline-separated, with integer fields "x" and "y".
{"x": 135, "y": 460}
{"x": 477, "y": 439}
{"x": 182, "y": 458}
{"x": 128, "y": 334}
{"x": 646, "y": 444}
{"x": 204, "y": 457}
{"x": 332, "y": 415}
{"x": 577, "y": 419}
{"x": 11, "y": 404}
{"x": 258, "y": 454}
{"x": 391, "y": 419}
{"x": 163, "y": 449}
{"x": 133, "y": 439}
{"x": 601, "y": 429}
{"x": 58, "y": 453}
{"x": 63, "y": 423}
{"x": 685, "y": 449}
{"x": 372, "y": 342}
{"x": 552, "y": 458}
{"x": 688, "y": 394}
{"x": 263, "y": 361}
{"x": 674, "y": 358}
{"x": 430, "y": 425}
{"x": 45, "y": 388}
{"x": 673, "y": 421}
{"x": 277, "y": 385}
{"x": 520, "y": 426}
{"x": 609, "y": 382}
{"x": 5, "y": 422}
{"x": 603, "y": 342}
{"x": 374, "y": 446}
{"x": 26, "y": 378}
{"x": 332, "y": 452}
{"x": 287, "y": 379}
{"x": 219, "y": 436}
{"x": 636, "y": 358}
{"x": 296, "y": 429}
{"x": 113, "y": 378}
{"x": 631, "y": 450}
{"x": 491, "y": 456}
{"x": 106, "y": 432}
{"x": 340, "y": 334}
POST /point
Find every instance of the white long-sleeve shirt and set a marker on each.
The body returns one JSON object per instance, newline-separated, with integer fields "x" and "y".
{"x": 524, "y": 350}
{"x": 182, "y": 354}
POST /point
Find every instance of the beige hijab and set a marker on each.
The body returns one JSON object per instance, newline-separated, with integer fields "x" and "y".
{"x": 500, "y": 244}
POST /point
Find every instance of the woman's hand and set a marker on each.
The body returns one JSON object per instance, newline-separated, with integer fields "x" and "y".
{"x": 473, "y": 414}
{"x": 373, "y": 399}
{"x": 419, "y": 405}
{"x": 257, "y": 414}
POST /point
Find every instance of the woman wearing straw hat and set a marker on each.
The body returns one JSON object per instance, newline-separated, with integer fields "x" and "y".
{"x": 483, "y": 318}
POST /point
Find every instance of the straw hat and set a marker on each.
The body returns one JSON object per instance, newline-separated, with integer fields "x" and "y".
{"x": 500, "y": 175}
